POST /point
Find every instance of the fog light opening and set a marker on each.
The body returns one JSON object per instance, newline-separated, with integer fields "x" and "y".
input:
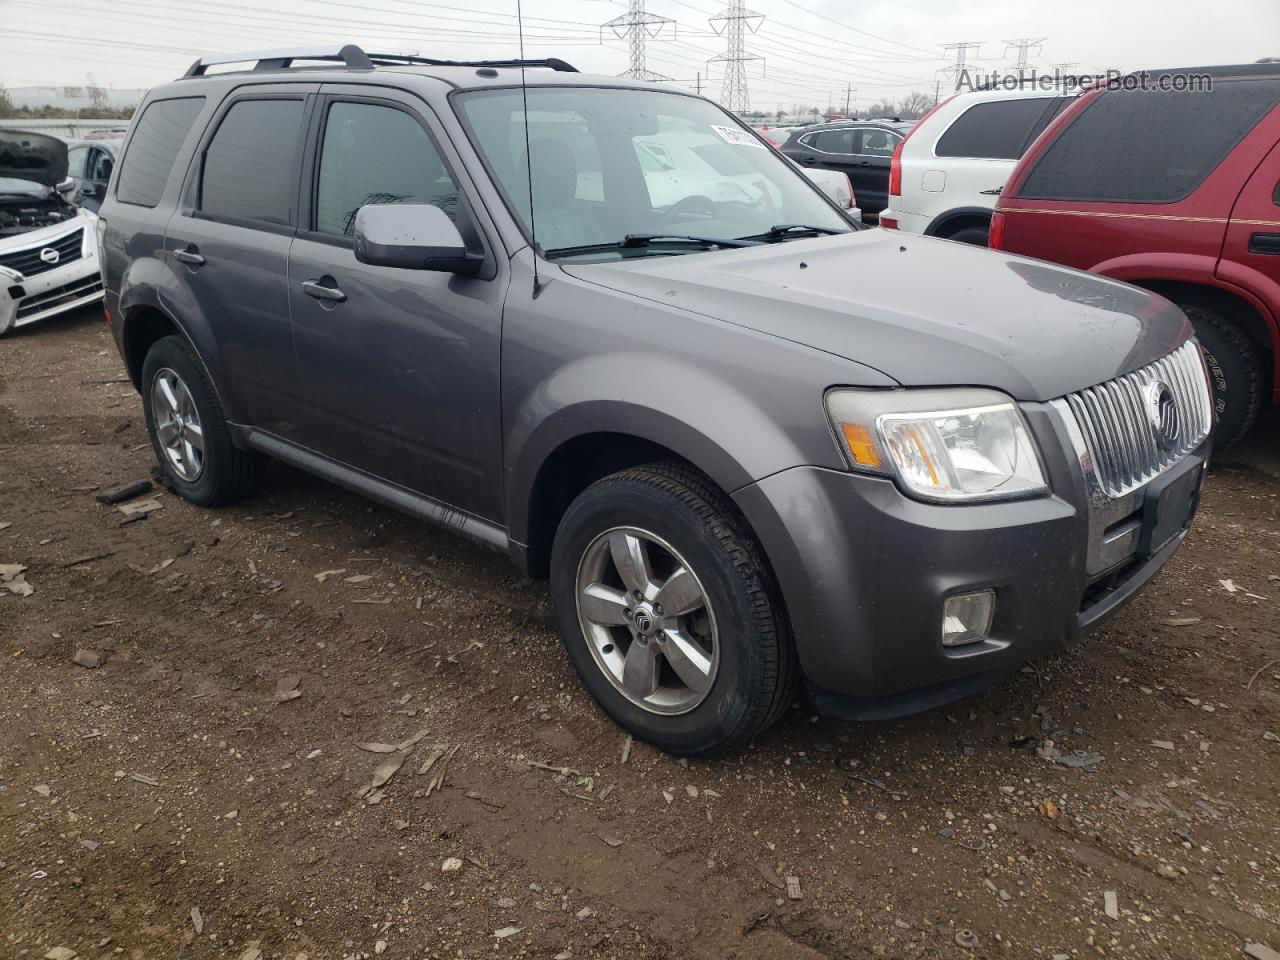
{"x": 966, "y": 618}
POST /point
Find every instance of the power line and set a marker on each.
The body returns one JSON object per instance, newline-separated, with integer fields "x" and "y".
{"x": 638, "y": 27}
{"x": 735, "y": 22}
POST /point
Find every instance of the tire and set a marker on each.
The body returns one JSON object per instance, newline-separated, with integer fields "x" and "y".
{"x": 753, "y": 666}
{"x": 225, "y": 474}
{"x": 1235, "y": 368}
{"x": 974, "y": 236}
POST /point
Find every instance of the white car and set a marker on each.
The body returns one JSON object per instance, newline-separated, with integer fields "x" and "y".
{"x": 48, "y": 246}
{"x": 946, "y": 176}
{"x": 837, "y": 186}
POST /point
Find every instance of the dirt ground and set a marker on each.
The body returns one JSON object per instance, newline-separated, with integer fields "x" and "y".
{"x": 203, "y": 793}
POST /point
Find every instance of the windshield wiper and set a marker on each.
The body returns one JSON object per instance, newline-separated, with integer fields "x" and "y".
{"x": 646, "y": 239}
{"x": 781, "y": 230}
{"x": 637, "y": 240}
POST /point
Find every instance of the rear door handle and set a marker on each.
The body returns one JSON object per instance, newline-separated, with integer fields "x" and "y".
{"x": 808, "y": 159}
{"x": 323, "y": 289}
{"x": 190, "y": 255}
{"x": 1265, "y": 243}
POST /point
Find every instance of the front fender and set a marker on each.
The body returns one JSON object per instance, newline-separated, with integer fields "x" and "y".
{"x": 581, "y": 359}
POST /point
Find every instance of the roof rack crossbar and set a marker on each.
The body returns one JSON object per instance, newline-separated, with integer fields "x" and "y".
{"x": 355, "y": 58}
{"x": 348, "y": 54}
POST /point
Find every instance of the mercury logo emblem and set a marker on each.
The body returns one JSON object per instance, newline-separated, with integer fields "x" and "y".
{"x": 1162, "y": 412}
{"x": 643, "y": 621}
{"x": 50, "y": 255}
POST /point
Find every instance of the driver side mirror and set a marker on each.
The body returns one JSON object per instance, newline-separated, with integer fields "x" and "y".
{"x": 413, "y": 236}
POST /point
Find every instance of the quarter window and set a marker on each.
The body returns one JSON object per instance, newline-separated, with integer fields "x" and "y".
{"x": 154, "y": 146}
{"x": 377, "y": 154}
{"x": 250, "y": 165}
{"x": 1141, "y": 146}
{"x": 997, "y": 129}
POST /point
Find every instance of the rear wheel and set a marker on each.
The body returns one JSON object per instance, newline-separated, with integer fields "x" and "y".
{"x": 1235, "y": 369}
{"x": 974, "y": 236}
{"x": 189, "y": 434}
{"x": 668, "y": 611}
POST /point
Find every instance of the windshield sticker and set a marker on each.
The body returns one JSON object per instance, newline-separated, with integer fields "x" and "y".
{"x": 739, "y": 138}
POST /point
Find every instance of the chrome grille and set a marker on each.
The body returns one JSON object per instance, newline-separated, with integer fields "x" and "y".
{"x": 29, "y": 263}
{"x": 1119, "y": 428}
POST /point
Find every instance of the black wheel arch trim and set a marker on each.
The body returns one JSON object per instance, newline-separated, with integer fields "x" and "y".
{"x": 938, "y": 226}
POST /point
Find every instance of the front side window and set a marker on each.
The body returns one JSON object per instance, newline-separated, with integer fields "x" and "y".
{"x": 376, "y": 154}
{"x": 608, "y": 163}
{"x": 157, "y": 137}
{"x": 250, "y": 166}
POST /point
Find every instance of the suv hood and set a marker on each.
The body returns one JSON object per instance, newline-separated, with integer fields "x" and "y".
{"x": 32, "y": 157}
{"x": 925, "y": 312}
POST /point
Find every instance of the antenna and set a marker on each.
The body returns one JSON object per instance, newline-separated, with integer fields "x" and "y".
{"x": 528, "y": 152}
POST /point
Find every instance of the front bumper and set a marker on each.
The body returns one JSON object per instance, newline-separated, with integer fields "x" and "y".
{"x": 865, "y": 571}
{"x": 53, "y": 290}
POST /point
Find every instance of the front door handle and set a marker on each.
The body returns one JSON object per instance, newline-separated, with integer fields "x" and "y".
{"x": 190, "y": 256}
{"x": 1265, "y": 243}
{"x": 808, "y": 159}
{"x": 323, "y": 289}
{"x": 864, "y": 163}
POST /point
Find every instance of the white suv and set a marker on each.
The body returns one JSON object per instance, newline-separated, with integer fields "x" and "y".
{"x": 947, "y": 174}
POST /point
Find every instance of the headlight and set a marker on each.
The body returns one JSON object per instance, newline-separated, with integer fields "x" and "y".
{"x": 943, "y": 445}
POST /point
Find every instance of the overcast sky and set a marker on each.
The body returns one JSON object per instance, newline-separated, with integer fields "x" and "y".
{"x": 811, "y": 48}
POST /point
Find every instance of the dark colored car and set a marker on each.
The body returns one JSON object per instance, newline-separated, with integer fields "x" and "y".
{"x": 89, "y": 164}
{"x": 747, "y": 446}
{"x": 1176, "y": 190}
{"x": 862, "y": 149}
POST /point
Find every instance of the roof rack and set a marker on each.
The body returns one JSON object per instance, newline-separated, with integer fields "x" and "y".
{"x": 354, "y": 58}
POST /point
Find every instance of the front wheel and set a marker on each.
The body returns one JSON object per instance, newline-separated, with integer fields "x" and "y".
{"x": 668, "y": 611}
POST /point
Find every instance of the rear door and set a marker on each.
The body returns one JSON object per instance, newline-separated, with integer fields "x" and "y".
{"x": 400, "y": 367}
{"x": 1252, "y": 245}
{"x": 228, "y": 247}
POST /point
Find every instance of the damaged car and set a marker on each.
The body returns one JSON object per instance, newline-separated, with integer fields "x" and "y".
{"x": 48, "y": 245}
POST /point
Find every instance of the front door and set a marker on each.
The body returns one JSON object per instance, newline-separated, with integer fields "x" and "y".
{"x": 228, "y": 250}
{"x": 400, "y": 366}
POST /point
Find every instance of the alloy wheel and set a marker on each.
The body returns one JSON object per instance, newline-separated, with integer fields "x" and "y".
{"x": 177, "y": 424}
{"x": 647, "y": 620}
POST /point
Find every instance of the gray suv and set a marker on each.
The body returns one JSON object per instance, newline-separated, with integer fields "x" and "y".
{"x": 599, "y": 325}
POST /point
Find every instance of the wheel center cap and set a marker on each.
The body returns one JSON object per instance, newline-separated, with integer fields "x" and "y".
{"x": 645, "y": 620}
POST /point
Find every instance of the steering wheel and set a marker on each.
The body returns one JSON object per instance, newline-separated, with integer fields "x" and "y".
{"x": 695, "y": 205}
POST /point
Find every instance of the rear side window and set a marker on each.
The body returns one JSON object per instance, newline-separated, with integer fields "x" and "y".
{"x": 835, "y": 141}
{"x": 998, "y": 129}
{"x": 250, "y": 165}
{"x": 1135, "y": 146}
{"x": 154, "y": 146}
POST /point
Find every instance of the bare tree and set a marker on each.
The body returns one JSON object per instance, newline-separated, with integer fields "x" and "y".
{"x": 914, "y": 105}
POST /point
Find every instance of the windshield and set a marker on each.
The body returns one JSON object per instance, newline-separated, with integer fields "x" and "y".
{"x": 609, "y": 163}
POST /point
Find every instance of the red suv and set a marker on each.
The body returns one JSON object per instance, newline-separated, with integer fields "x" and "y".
{"x": 1172, "y": 183}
